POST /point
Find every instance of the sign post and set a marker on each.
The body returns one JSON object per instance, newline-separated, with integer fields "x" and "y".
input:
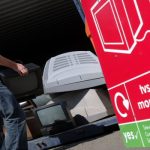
{"x": 120, "y": 30}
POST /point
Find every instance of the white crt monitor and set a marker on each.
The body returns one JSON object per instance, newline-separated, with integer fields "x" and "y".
{"x": 72, "y": 71}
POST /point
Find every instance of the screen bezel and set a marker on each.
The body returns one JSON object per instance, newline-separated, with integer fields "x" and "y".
{"x": 64, "y": 109}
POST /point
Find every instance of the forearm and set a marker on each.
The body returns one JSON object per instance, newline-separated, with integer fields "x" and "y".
{"x": 7, "y": 62}
{"x": 20, "y": 68}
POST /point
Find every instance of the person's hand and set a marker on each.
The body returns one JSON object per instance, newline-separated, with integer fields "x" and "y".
{"x": 21, "y": 69}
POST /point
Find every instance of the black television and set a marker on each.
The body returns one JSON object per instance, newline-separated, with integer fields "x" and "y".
{"x": 23, "y": 87}
{"x": 54, "y": 118}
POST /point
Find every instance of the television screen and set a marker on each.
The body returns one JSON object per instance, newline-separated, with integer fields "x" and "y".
{"x": 26, "y": 86}
{"x": 54, "y": 118}
{"x": 49, "y": 115}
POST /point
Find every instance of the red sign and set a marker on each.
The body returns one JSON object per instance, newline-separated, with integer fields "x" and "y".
{"x": 120, "y": 30}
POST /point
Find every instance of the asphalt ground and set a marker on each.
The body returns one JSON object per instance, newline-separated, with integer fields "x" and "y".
{"x": 111, "y": 141}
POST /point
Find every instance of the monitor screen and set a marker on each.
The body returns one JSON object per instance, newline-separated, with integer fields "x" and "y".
{"x": 51, "y": 114}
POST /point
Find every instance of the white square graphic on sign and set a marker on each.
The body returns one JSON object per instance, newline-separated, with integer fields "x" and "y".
{"x": 118, "y": 24}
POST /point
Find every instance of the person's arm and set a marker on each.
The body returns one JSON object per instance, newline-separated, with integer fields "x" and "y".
{"x": 21, "y": 69}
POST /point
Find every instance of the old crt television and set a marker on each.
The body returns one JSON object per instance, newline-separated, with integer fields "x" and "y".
{"x": 23, "y": 87}
{"x": 54, "y": 118}
{"x": 72, "y": 71}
